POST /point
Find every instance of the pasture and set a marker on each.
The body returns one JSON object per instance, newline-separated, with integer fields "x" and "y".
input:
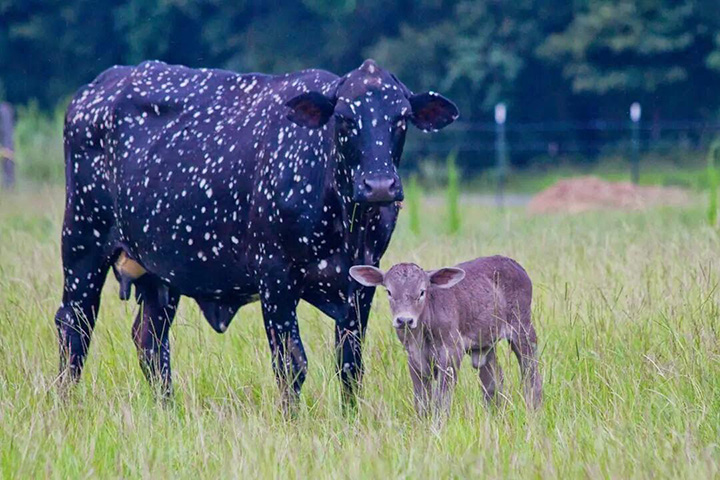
{"x": 625, "y": 305}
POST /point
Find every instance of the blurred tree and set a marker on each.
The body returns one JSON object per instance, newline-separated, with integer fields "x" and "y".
{"x": 624, "y": 45}
{"x": 624, "y": 50}
{"x": 473, "y": 50}
{"x": 711, "y": 17}
{"x": 145, "y": 28}
{"x": 49, "y": 47}
{"x": 546, "y": 59}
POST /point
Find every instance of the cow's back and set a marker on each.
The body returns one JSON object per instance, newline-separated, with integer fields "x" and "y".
{"x": 186, "y": 158}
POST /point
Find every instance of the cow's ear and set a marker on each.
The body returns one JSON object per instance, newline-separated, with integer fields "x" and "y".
{"x": 432, "y": 111}
{"x": 446, "y": 277}
{"x": 310, "y": 109}
{"x": 367, "y": 275}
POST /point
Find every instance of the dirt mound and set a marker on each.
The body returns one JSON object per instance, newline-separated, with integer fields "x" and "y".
{"x": 581, "y": 194}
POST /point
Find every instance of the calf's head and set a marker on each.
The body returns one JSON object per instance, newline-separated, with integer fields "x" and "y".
{"x": 407, "y": 285}
{"x": 368, "y": 110}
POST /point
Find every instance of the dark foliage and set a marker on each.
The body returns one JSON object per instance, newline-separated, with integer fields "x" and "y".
{"x": 549, "y": 60}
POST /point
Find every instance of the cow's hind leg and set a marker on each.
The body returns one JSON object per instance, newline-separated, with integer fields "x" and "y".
{"x": 86, "y": 256}
{"x": 151, "y": 332}
{"x": 75, "y": 319}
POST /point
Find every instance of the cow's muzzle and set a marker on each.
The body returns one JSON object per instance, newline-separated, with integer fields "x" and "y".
{"x": 379, "y": 189}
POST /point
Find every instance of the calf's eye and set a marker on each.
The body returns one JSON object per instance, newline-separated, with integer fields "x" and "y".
{"x": 422, "y": 293}
{"x": 389, "y": 294}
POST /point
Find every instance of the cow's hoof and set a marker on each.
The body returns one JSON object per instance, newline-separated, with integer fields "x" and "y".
{"x": 125, "y": 289}
{"x": 164, "y": 295}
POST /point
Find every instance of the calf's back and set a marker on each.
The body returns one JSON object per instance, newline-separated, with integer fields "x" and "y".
{"x": 494, "y": 296}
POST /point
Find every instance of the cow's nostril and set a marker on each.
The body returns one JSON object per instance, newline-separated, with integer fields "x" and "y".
{"x": 393, "y": 186}
{"x": 367, "y": 185}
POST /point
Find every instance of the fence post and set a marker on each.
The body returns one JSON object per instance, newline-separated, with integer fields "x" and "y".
{"x": 635, "y": 115}
{"x": 500, "y": 151}
{"x": 7, "y": 150}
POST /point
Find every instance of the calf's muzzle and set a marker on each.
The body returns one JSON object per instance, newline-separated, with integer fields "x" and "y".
{"x": 403, "y": 322}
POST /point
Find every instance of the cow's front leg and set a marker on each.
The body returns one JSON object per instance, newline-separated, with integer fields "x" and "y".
{"x": 349, "y": 335}
{"x": 279, "y": 295}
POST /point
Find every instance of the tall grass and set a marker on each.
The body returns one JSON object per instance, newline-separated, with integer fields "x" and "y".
{"x": 626, "y": 308}
{"x": 412, "y": 200}
{"x": 713, "y": 178}
{"x": 453, "y": 194}
{"x": 39, "y": 145}
{"x": 680, "y": 169}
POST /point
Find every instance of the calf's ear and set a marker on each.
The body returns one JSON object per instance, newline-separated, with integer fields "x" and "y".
{"x": 432, "y": 111}
{"x": 446, "y": 277}
{"x": 310, "y": 109}
{"x": 367, "y": 275}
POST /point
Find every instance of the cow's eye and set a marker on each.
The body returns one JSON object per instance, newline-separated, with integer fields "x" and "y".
{"x": 346, "y": 123}
{"x": 422, "y": 293}
{"x": 389, "y": 294}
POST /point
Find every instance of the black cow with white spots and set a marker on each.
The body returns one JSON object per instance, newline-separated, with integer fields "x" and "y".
{"x": 230, "y": 188}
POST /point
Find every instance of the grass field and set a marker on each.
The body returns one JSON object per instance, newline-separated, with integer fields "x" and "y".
{"x": 626, "y": 307}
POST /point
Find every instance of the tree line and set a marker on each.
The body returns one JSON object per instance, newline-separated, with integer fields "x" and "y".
{"x": 548, "y": 60}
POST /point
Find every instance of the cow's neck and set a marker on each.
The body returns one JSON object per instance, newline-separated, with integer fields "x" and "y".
{"x": 361, "y": 223}
{"x": 356, "y": 219}
{"x": 354, "y": 222}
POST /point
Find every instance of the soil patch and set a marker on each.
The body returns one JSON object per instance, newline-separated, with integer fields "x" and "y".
{"x": 581, "y": 194}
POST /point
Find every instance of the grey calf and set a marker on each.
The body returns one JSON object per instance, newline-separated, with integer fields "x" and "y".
{"x": 439, "y": 320}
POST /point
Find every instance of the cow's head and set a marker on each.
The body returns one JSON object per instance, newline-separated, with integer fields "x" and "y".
{"x": 369, "y": 109}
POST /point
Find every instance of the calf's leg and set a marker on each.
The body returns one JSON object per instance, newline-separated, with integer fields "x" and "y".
{"x": 491, "y": 376}
{"x": 447, "y": 365}
{"x": 421, "y": 376}
{"x": 524, "y": 344}
{"x": 422, "y": 389}
{"x": 151, "y": 332}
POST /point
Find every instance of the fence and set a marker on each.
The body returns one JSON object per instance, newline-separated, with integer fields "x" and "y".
{"x": 7, "y": 146}
{"x": 479, "y": 145}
